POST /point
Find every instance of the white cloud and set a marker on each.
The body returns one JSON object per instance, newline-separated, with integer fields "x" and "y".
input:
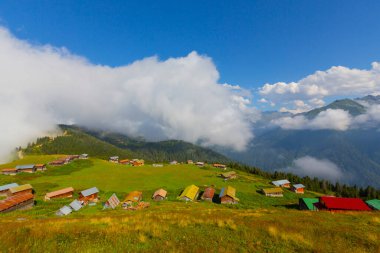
{"x": 178, "y": 98}
{"x": 339, "y": 120}
{"x": 313, "y": 167}
{"x": 336, "y": 81}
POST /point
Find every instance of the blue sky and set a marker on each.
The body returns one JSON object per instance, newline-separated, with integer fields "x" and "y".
{"x": 251, "y": 42}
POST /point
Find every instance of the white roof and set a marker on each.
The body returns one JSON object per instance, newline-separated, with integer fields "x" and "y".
{"x": 89, "y": 192}
{"x": 76, "y": 205}
{"x": 8, "y": 186}
{"x": 297, "y": 186}
{"x": 65, "y": 210}
{"x": 280, "y": 182}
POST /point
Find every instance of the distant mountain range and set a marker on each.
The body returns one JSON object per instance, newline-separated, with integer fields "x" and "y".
{"x": 356, "y": 152}
{"x": 103, "y": 144}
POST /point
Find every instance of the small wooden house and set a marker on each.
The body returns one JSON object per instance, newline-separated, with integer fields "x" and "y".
{"x": 374, "y": 204}
{"x": 114, "y": 159}
{"x": 58, "y": 162}
{"x": 208, "y": 194}
{"x": 17, "y": 202}
{"x": 76, "y": 205}
{"x": 5, "y": 188}
{"x": 190, "y": 193}
{"x": 298, "y": 188}
{"x": 132, "y": 197}
{"x": 65, "y": 210}
{"x": 282, "y": 183}
{"x": 157, "y": 165}
{"x": 228, "y": 195}
{"x": 308, "y": 204}
{"x": 124, "y": 161}
{"x": 229, "y": 175}
{"x": 190, "y": 162}
{"x": 83, "y": 156}
{"x": 159, "y": 195}
{"x": 40, "y": 167}
{"x": 220, "y": 166}
{"x": 137, "y": 162}
{"x": 173, "y": 162}
{"x": 21, "y": 189}
{"x": 89, "y": 195}
{"x": 112, "y": 202}
{"x": 28, "y": 168}
{"x": 9, "y": 171}
{"x": 273, "y": 192}
{"x": 200, "y": 164}
{"x": 63, "y": 193}
{"x": 342, "y": 204}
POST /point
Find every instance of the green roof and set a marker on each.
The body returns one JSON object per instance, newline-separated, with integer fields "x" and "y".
{"x": 374, "y": 203}
{"x": 310, "y": 202}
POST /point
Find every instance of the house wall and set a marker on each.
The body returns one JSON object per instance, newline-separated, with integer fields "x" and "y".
{"x": 20, "y": 192}
{"x": 227, "y": 200}
{"x": 21, "y": 206}
{"x": 92, "y": 198}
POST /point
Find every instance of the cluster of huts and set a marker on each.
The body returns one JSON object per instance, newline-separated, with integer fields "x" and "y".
{"x": 133, "y": 162}
{"x": 32, "y": 168}
{"x": 17, "y": 197}
{"x": 26, "y": 168}
{"x": 68, "y": 159}
{"x": 277, "y": 191}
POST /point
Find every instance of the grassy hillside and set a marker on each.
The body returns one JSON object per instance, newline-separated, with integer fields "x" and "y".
{"x": 101, "y": 144}
{"x": 256, "y": 224}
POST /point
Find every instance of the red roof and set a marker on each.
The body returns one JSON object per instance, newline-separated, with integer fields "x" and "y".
{"x": 334, "y": 203}
{"x": 209, "y": 193}
{"x": 15, "y": 200}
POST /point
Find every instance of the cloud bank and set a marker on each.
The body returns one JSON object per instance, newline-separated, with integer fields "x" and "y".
{"x": 332, "y": 119}
{"x": 313, "y": 89}
{"x": 178, "y": 98}
{"x": 313, "y": 167}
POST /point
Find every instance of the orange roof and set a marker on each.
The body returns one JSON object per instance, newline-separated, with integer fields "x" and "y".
{"x": 160, "y": 192}
{"x": 40, "y": 165}
{"x": 59, "y": 192}
{"x": 14, "y": 200}
{"x": 123, "y": 161}
{"x": 9, "y": 169}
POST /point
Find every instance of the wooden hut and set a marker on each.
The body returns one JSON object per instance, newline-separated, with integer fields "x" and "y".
{"x": 173, "y": 162}
{"x": 57, "y": 162}
{"x": 83, "y": 156}
{"x": 137, "y": 162}
{"x": 21, "y": 189}
{"x": 220, "y": 166}
{"x": 65, "y": 210}
{"x": 5, "y": 188}
{"x": 112, "y": 202}
{"x": 282, "y": 183}
{"x": 132, "y": 197}
{"x": 208, "y": 194}
{"x": 298, "y": 188}
{"x": 124, "y": 161}
{"x": 40, "y": 167}
{"x": 16, "y": 202}
{"x": 27, "y": 168}
{"x": 159, "y": 195}
{"x": 89, "y": 195}
{"x": 308, "y": 204}
{"x": 190, "y": 162}
{"x": 76, "y": 205}
{"x": 228, "y": 195}
{"x": 190, "y": 193}
{"x": 273, "y": 192}
{"x": 114, "y": 159}
{"x": 63, "y": 193}
{"x": 342, "y": 204}
{"x": 9, "y": 171}
{"x": 229, "y": 175}
{"x": 200, "y": 164}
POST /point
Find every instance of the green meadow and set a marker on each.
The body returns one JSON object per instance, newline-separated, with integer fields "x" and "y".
{"x": 256, "y": 224}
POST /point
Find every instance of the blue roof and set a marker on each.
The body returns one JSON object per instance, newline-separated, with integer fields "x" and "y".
{"x": 89, "y": 192}
{"x": 222, "y": 192}
{"x": 65, "y": 210}
{"x": 24, "y": 167}
{"x": 76, "y": 205}
{"x": 280, "y": 182}
{"x": 298, "y": 186}
{"x": 8, "y": 186}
